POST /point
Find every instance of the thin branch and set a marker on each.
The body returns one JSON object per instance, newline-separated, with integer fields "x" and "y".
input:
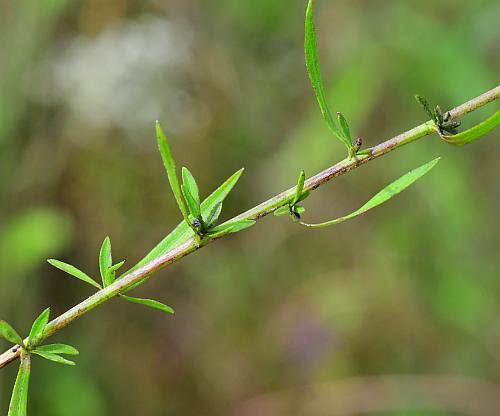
{"x": 255, "y": 213}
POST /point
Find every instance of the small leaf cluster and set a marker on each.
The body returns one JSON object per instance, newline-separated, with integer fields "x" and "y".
{"x": 31, "y": 345}
{"x": 201, "y": 217}
{"x": 293, "y": 208}
{"x": 442, "y": 121}
{"x": 108, "y": 276}
{"x": 342, "y": 131}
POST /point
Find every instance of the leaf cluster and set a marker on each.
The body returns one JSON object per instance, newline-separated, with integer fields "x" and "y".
{"x": 443, "y": 122}
{"x": 200, "y": 217}
{"x": 31, "y": 345}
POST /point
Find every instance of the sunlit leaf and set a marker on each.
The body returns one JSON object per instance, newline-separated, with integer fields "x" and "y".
{"x": 304, "y": 196}
{"x": 105, "y": 262}
{"x": 150, "y": 303}
{"x": 313, "y": 69}
{"x": 282, "y": 211}
{"x": 193, "y": 205}
{"x": 116, "y": 266}
{"x": 57, "y": 349}
{"x": 344, "y": 127}
{"x": 385, "y": 194}
{"x": 214, "y": 215}
{"x": 10, "y": 334}
{"x": 230, "y": 227}
{"x": 38, "y": 326}
{"x": 169, "y": 163}
{"x": 475, "y": 132}
{"x": 73, "y": 271}
{"x": 53, "y": 357}
{"x": 19, "y": 399}
{"x": 219, "y": 195}
{"x": 300, "y": 187}
{"x": 190, "y": 183}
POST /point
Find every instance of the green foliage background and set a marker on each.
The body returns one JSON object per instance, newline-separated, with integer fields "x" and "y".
{"x": 278, "y": 317}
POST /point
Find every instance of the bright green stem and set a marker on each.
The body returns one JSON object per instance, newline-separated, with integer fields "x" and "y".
{"x": 265, "y": 208}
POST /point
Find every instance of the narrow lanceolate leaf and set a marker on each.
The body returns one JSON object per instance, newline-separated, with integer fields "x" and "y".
{"x": 19, "y": 399}
{"x": 150, "y": 303}
{"x": 73, "y": 271}
{"x": 169, "y": 163}
{"x": 10, "y": 334}
{"x": 475, "y": 132}
{"x": 300, "y": 188}
{"x": 57, "y": 349}
{"x": 214, "y": 215}
{"x": 219, "y": 195}
{"x": 282, "y": 211}
{"x": 384, "y": 195}
{"x": 344, "y": 127}
{"x": 190, "y": 184}
{"x": 193, "y": 205}
{"x": 304, "y": 196}
{"x": 230, "y": 227}
{"x": 313, "y": 68}
{"x": 105, "y": 262}
{"x": 38, "y": 326}
{"x": 116, "y": 266}
{"x": 53, "y": 357}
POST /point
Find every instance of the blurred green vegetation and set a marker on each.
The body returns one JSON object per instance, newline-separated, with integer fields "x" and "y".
{"x": 278, "y": 318}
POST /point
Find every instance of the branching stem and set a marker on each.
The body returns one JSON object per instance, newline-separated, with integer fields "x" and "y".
{"x": 255, "y": 213}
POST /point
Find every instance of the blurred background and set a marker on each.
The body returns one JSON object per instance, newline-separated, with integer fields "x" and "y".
{"x": 394, "y": 313}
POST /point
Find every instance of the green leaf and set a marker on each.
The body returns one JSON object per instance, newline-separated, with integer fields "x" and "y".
{"x": 10, "y": 334}
{"x": 38, "y": 326}
{"x": 105, "y": 262}
{"x": 182, "y": 232}
{"x": 214, "y": 215}
{"x": 194, "y": 207}
{"x": 313, "y": 69}
{"x": 475, "y": 132}
{"x": 19, "y": 400}
{"x": 304, "y": 196}
{"x": 150, "y": 303}
{"x": 230, "y": 227}
{"x": 385, "y": 194}
{"x": 299, "y": 209}
{"x": 300, "y": 188}
{"x": 169, "y": 163}
{"x": 73, "y": 271}
{"x": 191, "y": 185}
{"x": 241, "y": 225}
{"x": 56, "y": 349}
{"x": 219, "y": 195}
{"x": 282, "y": 211}
{"x": 344, "y": 127}
{"x": 115, "y": 267}
{"x": 53, "y": 357}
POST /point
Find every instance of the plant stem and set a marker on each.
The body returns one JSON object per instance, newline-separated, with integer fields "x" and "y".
{"x": 255, "y": 213}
